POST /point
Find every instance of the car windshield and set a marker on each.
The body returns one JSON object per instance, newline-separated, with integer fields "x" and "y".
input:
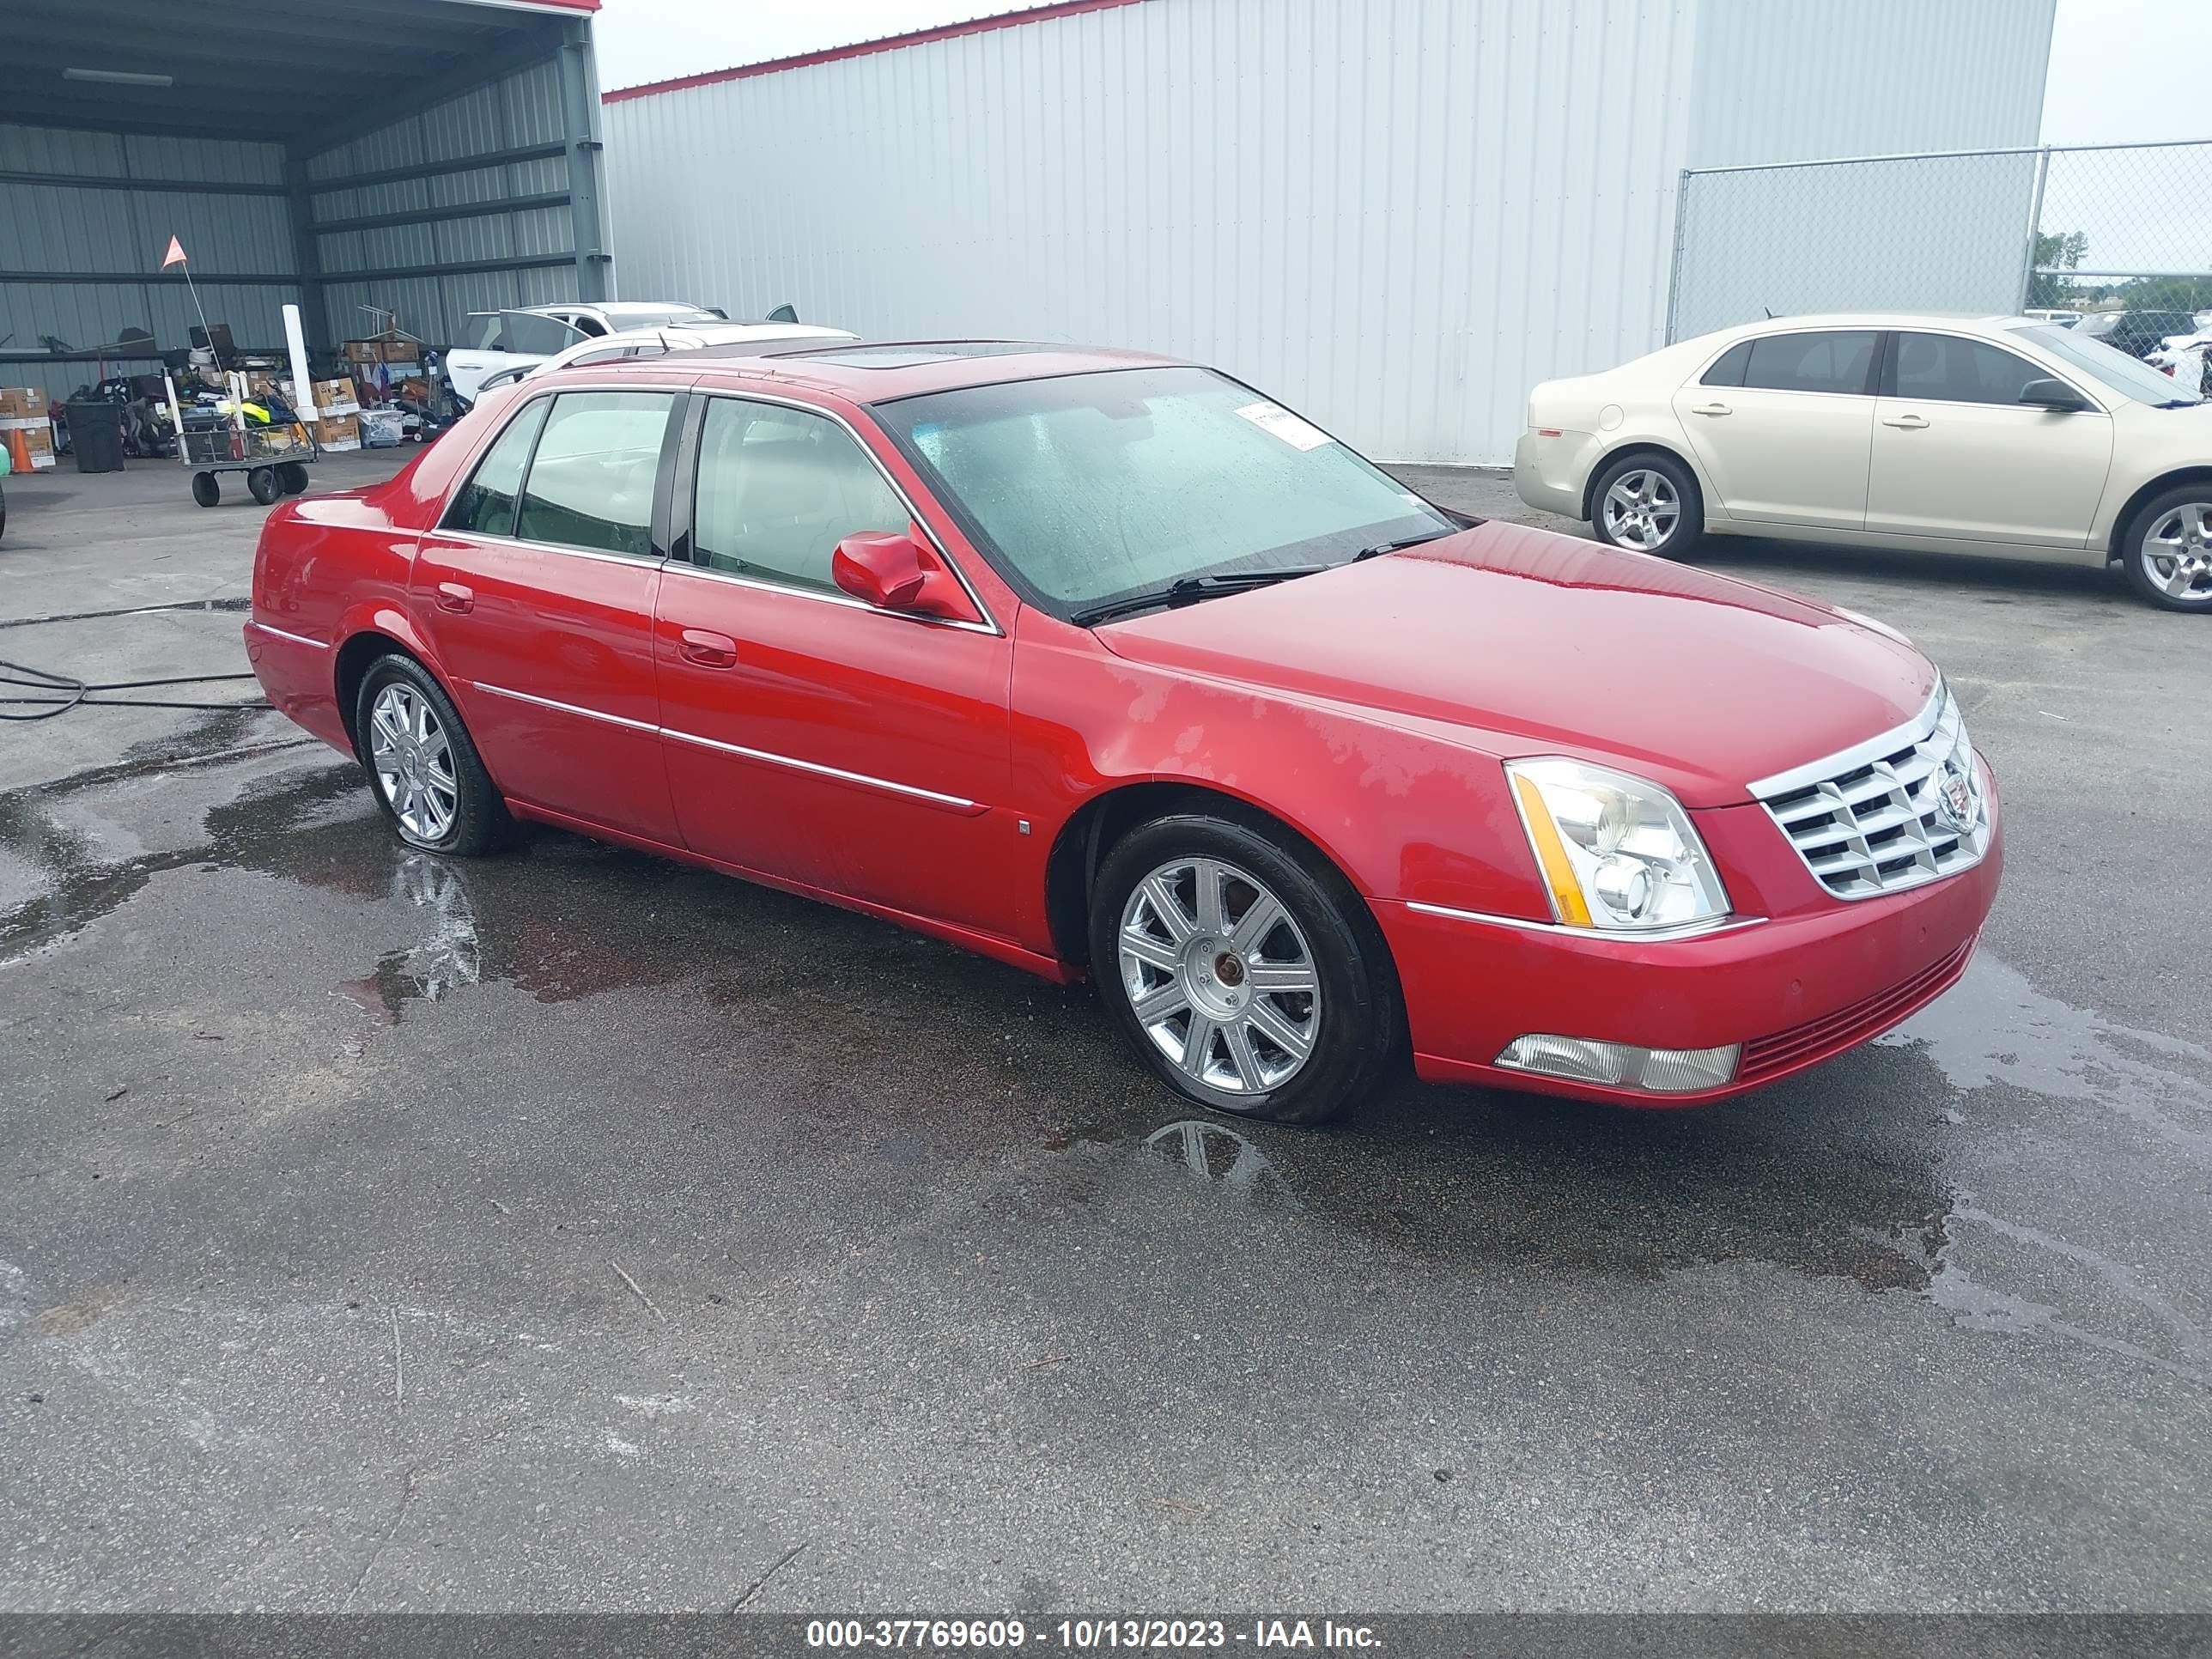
{"x": 2114, "y": 367}
{"x": 1090, "y": 488}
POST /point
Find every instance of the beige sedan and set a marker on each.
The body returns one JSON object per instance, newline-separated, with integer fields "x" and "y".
{"x": 2001, "y": 436}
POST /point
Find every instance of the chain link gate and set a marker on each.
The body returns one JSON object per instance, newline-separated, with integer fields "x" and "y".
{"x": 2121, "y": 233}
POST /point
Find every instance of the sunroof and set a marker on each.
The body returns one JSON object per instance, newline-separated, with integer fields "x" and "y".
{"x": 906, "y": 356}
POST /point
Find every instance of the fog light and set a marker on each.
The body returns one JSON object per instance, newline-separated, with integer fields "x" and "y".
{"x": 1620, "y": 1066}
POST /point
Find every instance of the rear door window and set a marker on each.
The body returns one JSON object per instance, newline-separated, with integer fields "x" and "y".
{"x": 592, "y": 478}
{"x": 486, "y": 503}
{"x": 1830, "y": 360}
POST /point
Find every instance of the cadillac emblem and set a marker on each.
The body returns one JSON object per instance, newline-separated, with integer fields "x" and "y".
{"x": 1954, "y": 798}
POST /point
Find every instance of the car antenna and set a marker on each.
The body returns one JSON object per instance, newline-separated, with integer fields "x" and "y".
{"x": 1769, "y": 310}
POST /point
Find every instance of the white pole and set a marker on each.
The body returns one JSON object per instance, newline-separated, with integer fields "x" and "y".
{"x": 303, "y": 389}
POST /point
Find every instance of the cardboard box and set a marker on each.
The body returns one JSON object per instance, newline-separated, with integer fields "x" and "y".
{"x": 334, "y": 397}
{"x": 341, "y": 432}
{"x": 21, "y": 402}
{"x": 39, "y": 440}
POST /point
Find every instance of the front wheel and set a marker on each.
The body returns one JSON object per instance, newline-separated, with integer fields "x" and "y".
{"x": 261, "y": 483}
{"x": 1241, "y": 970}
{"x": 206, "y": 490}
{"x": 292, "y": 477}
{"x": 426, "y": 775}
{"x": 2168, "y": 548}
{"x": 1647, "y": 503}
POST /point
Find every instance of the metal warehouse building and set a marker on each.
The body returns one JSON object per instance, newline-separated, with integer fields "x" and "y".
{"x": 1397, "y": 214}
{"x": 426, "y": 157}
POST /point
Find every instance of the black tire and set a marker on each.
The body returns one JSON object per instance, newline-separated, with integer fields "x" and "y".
{"x": 1359, "y": 1021}
{"x": 3, "y": 512}
{"x": 291, "y": 477}
{"x": 261, "y": 482}
{"x": 2149, "y": 579}
{"x": 1689, "y": 520}
{"x": 479, "y": 823}
{"x": 207, "y": 490}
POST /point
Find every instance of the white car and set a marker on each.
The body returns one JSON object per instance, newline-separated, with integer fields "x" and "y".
{"x": 1996, "y": 435}
{"x": 674, "y": 336}
{"x": 2186, "y": 358}
{"x": 529, "y": 334}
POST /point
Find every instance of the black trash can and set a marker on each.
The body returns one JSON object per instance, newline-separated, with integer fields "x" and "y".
{"x": 95, "y": 434}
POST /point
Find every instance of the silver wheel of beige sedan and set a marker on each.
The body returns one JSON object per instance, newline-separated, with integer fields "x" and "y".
{"x": 413, "y": 760}
{"x": 1641, "y": 510}
{"x": 2175, "y": 554}
{"x": 1219, "y": 976}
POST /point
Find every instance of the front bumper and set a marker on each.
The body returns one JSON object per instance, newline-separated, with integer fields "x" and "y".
{"x": 1794, "y": 991}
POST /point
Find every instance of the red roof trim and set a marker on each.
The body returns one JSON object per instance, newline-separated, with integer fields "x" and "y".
{"x": 1005, "y": 20}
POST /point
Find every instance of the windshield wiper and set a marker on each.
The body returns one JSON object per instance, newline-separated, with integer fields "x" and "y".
{"x": 1380, "y": 548}
{"x": 1186, "y": 590}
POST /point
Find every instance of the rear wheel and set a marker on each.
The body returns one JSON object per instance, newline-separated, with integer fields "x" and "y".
{"x": 425, "y": 771}
{"x": 206, "y": 490}
{"x": 1240, "y": 972}
{"x": 291, "y": 477}
{"x": 261, "y": 483}
{"x": 1647, "y": 503}
{"x": 2168, "y": 555}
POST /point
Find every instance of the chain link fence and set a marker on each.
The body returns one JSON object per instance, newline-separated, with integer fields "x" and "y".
{"x": 2120, "y": 233}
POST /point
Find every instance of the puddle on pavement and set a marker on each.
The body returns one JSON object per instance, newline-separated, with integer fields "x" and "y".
{"x": 1849, "y": 1172}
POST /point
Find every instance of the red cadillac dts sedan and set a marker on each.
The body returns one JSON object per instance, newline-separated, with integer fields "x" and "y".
{"x": 1103, "y": 663}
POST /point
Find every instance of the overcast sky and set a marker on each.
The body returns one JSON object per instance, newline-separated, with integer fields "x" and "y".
{"x": 2122, "y": 72}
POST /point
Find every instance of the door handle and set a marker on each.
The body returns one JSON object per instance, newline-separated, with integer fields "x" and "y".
{"x": 707, "y": 648}
{"x": 452, "y": 596}
{"x": 1910, "y": 422}
{"x": 1711, "y": 409}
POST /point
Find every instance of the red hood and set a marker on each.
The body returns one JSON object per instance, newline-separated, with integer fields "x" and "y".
{"x": 1518, "y": 642}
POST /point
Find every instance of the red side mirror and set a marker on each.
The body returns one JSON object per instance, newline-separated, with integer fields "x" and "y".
{"x": 893, "y": 570}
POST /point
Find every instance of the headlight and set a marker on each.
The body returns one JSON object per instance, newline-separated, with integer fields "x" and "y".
{"x": 1617, "y": 853}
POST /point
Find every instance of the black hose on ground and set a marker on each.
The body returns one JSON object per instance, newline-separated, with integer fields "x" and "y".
{"x": 63, "y": 692}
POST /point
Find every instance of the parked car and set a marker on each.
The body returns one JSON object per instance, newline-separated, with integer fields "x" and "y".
{"x": 2137, "y": 332}
{"x": 659, "y": 342}
{"x": 527, "y": 335}
{"x": 2043, "y": 315}
{"x": 1096, "y": 662}
{"x": 2185, "y": 359}
{"x": 1995, "y": 437}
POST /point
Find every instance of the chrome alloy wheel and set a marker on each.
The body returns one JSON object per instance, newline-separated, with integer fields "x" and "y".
{"x": 1219, "y": 975}
{"x": 2177, "y": 552}
{"x": 413, "y": 760}
{"x": 1641, "y": 510}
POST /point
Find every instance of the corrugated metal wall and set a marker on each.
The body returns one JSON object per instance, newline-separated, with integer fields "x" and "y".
{"x": 1859, "y": 78}
{"x": 518, "y": 113}
{"x": 1396, "y": 215}
{"x": 1814, "y": 79}
{"x": 88, "y": 230}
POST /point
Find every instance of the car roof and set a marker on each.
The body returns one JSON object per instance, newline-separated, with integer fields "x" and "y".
{"x": 880, "y": 371}
{"x": 1882, "y": 319}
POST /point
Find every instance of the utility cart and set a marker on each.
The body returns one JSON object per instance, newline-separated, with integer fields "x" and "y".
{"x": 274, "y": 457}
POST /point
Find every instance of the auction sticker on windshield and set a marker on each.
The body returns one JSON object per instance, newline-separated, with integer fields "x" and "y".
{"x": 1275, "y": 419}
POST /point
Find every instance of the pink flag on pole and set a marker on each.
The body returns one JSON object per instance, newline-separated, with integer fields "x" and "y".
{"x": 175, "y": 256}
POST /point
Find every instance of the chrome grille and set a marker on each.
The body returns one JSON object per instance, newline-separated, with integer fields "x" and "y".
{"x": 1874, "y": 819}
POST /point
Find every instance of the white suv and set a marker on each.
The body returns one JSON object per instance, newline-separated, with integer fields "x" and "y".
{"x": 529, "y": 334}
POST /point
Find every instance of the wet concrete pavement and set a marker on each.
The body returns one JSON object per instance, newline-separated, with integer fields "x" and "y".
{"x": 571, "y": 1229}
